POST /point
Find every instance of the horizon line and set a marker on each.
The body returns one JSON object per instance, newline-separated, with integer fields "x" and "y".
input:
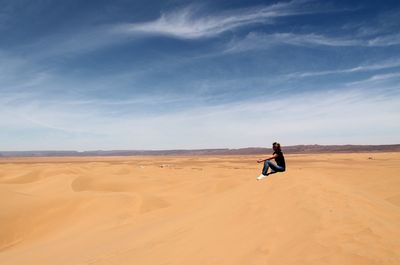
{"x": 200, "y": 149}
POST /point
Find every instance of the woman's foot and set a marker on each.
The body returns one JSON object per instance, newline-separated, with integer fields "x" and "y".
{"x": 261, "y": 177}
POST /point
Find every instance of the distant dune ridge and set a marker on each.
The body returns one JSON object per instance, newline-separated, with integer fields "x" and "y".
{"x": 293, "y": 149}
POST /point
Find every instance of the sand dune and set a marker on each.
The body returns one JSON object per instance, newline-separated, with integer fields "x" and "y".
{"x": 326, "y": 209}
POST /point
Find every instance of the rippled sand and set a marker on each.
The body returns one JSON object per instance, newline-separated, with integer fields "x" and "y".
{"x": 326, "y": 209}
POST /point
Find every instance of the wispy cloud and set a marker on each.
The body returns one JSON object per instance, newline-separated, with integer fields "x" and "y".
{"x": 384, "y": 23}
{"x": 257, "y": 41}
{"x": 384, "y": 40}
{"x": 191, "y": 23}
{"x": 373, "y": 80}
{"x": 318, "y": 117}
{"x": 387, "y": 64}
{"x": 196, "y": 22}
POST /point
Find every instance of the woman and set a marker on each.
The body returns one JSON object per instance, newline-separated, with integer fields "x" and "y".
{"x": 279, "y": 159}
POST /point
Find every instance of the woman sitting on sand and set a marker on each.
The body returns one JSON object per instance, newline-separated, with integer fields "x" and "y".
{"x": 279, "y": 159}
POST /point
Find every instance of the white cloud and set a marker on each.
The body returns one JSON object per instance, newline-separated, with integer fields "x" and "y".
{"x": 257, "y": 41}
{"x": 188, "y": 23}
{"x": 317, "y": 117}
{"x": 392, "y": 63}
{"x": 373, "y": 80}
{"x": 385, "y": 40}
{"x": 194, "y": 22}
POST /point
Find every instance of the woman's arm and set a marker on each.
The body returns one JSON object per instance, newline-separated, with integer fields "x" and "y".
{"x": 262, "y": 160}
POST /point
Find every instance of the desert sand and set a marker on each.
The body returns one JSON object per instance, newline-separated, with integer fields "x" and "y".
{"x": 326, "y": 209}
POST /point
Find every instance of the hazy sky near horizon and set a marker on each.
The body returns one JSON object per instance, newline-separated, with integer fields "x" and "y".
{"x": 84, "y": 75}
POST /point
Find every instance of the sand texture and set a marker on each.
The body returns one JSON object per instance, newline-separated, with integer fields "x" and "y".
{"x": 326, "y": 209}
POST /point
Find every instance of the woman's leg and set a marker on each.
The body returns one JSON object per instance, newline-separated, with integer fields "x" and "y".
{"x": 274, "y": 167}
{"x": 265, "y": 168}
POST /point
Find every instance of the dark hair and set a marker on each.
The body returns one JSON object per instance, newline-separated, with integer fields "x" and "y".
{"x": 278, "y": 145}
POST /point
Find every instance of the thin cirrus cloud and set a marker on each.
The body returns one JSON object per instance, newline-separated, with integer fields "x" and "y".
{"x": 380, "y": 34}
{"x": 189, "y": 23}
{"x": 257, "y": 41}
{"x": 320, "y": 116}
{"x": 386, "y": 40}
{"x": 192, "y": 22}
{"x": 387, "y": 64}
{"x": 376, "y": 79}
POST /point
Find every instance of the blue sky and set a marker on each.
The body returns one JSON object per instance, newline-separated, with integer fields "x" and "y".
{"x": 88, "y": 75}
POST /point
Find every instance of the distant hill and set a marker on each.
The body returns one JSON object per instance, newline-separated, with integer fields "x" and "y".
{"x": 294, "y": 149}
